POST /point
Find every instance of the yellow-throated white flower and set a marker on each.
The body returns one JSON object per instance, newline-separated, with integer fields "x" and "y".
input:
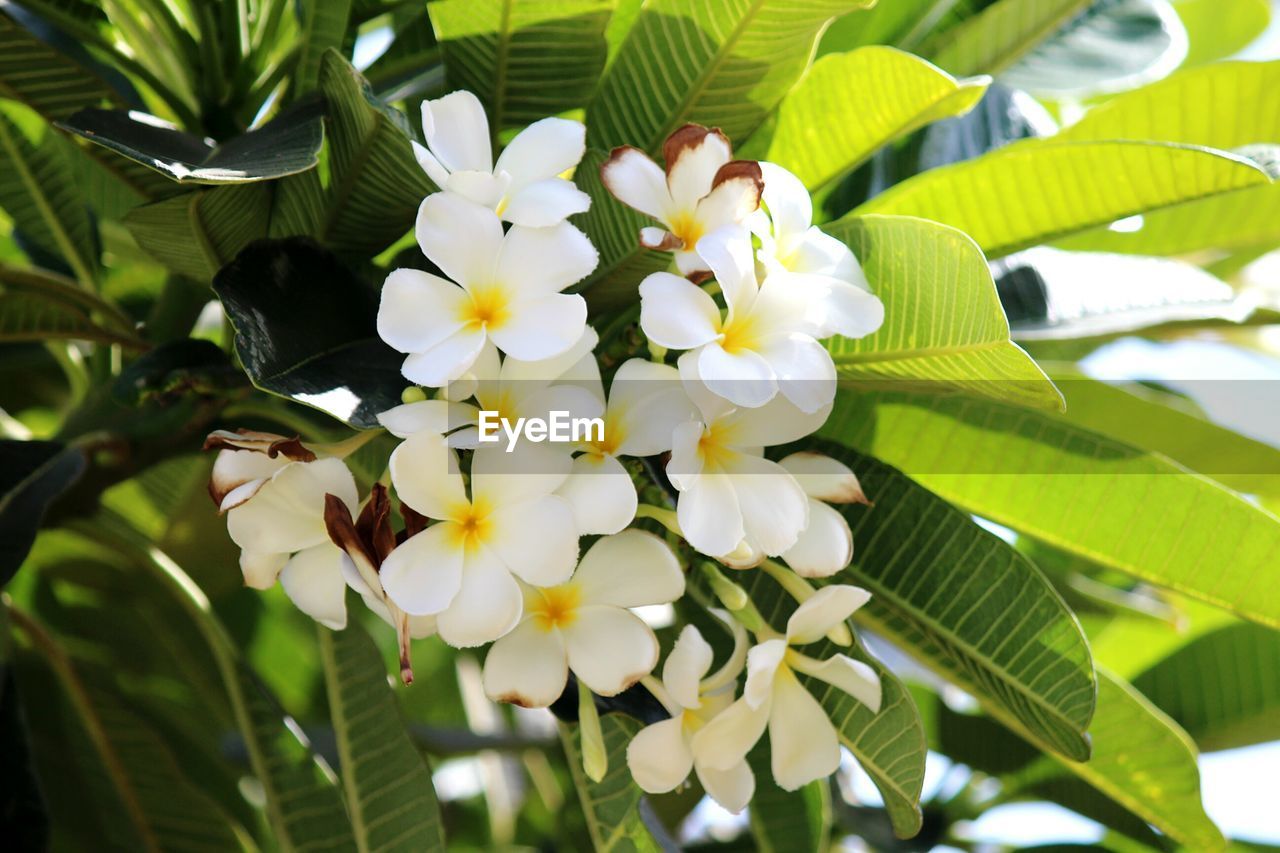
{"x": 462, "y": 568}
{"x": 702, "y": 189}
{"x": 504, "y": 288}
{"x": 524, "y": 186}
{"x": 803, "y": 743}
{"x": 584, "y": 625}
{"x": 764, "y": 343}
{"x": 272, "y": 490}
{"x": 661, "y": 755}
{"x": 728, "y": 490}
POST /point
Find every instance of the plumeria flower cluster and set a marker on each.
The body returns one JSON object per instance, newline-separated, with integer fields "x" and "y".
{"x": 490, "y": 529}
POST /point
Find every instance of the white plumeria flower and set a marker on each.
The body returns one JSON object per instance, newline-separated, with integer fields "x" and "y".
{"x": 584, "y": 625}
{"x": 661, "y": 755}
{"x": 765, "y": 343}
{"x": 728, "y": 490}
{"x": 275, "y": 512}
{"x": 702, "y": 189}
{"x": 462, "y": 568}
{"x": 646, "y": 402}
{"x": 524, "y": 187}
{"x": 803, "y": 743}
{"x": 792, "y": 243}
{"x": 826, "y": 545}
{"x": 508, "y": 290}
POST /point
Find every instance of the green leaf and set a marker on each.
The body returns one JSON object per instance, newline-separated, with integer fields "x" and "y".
{"x": 614, "y": 229}
{"x": 375, "y": 184}
{"x": 1002, "y": 33}
{"x": 787, "y": 820}
{"x": 197, "y": 233}
{"x": 1084, "y": 493}
{"x": 1220, "y": 28}
{"x": 969, "y": 606}
{"x": 32, "y": 475}
{"x": 26, "y": 316}
{"x": 1222, "y": 687}
{"x": 306, "y": 329}
{"x": 388, "y": 784}
{"x": 525, "y": 61}
{"x": 722, "y": 63}
{"x": 889, "y": 744}
{"x": 412, "y": 53}
{"x": 614, "y": 806}
{"x": 39, "y": 192}
{"x": 944, "y": 326}
{"x": 1050, "y": 294}
{"x": 1112, "y": 46}
{"x": 324, "y": 24}
{"x": 1041, "y": 190}
{"x": 849, "y": 105}
{"x": 288, "y": 144}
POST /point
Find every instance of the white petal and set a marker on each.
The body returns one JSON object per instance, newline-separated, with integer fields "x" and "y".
{"x": 447, "y": 360}
{"x": 601, "y": 494}
{"x": 313, "y": 581}
{"x": 537, "y": 540}
{"x": 693, "y": 155}
{"x": 426, "y": 476}
{"x": 824, "y": 547}
{"x": 459, "y": 236}
{"x": 424, "y": 573}
{"x": 676, "y": 313}
{"x": 542, "y": 328}
{"x": 742, "y": 377}
{"x": 790, "y": 207}
{"x": 763, "y": 662}
{"x": 528, "y": 667}
{"x": 419, "y": 310}
{"x": 235, "y": 468}
{"x": 774, "y": 507}
{"x": 852, "y": 676}
{"x": 457, "y": 132}
{"x": 804, "y": 369}
{"x": 437, "y": 416}
{"x": 287, "y": 513}
{"x": 659, "y": 757}
{"x": 528, "y": 373}
{"x": 630, "y": 569}
{"x": 824, "y": 478}
{"x": 261, "y": 569}
{"x": 777, "y": 422}
{"x": 734, "y": 196}
{"x": 821, "y": 254}
{"x": 435, "y": 170}
{"x": 637, "y": 182}
{"x": 540, "y": 261}
{"x": 802, "y": 742}
{"x": 610, "y": 649}
{"x": 659, "y": 239}
{"x": 828, "y": 607}
{"x": 544, "y": 149}
{"x": 709, "y": 515}
{"x": 711, "y": 406}
{"x": 839, "y": 308}
{"x": 505, "y": 479}
{"x": 686, "y": 665}
{"x": 731, "y": 788}
{"x": 545, "y": 203}
{"x": 646, "y": 403}
{"x": 487, "y": 606}
{"x": 685, "y": 465}
{"x": 484, "y": 188}
{"x": 727, "y": 251}
{"x": 724, "y": 742}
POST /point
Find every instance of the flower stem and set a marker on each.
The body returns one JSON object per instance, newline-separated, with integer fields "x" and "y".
{"x": 665, "y": 517}
{"x": 801, "y": 590}
{"x": 734, "y": 598}
{"x": 595, "y": 760}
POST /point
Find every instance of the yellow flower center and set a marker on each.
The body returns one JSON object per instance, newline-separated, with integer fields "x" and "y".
{"x": 556, "y": 607}
{"x": 471, "y": 526}
{"x": 740, "y": 334}
{"x": 489, "y": 307}
{"x": 613, "y": 436}
{"x": 713, "y": 445}
{"x": 687, "y": 227}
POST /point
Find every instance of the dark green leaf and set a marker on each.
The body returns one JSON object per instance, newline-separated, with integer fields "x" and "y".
{"x": 1001, "y": 34}
{"x": 288, "y": 144}
{"x": 196, "y": 233}
{"x": 614, "y": 806}
{"x": 388, "y": 784}
{"x": 32, "y": 475}
{"x": 306, "y": 329}
{"x": 324, "y": 23}
{"x": 787, "y": 820}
